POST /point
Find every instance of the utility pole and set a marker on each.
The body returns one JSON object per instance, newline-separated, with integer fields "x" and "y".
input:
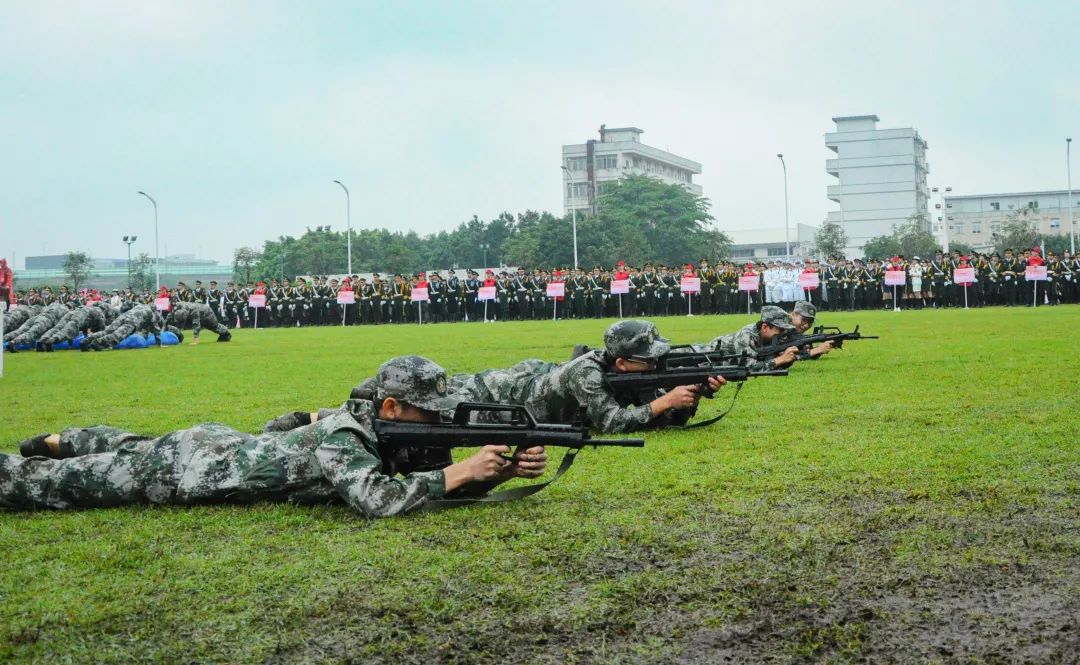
{"x": 787, "y": 226}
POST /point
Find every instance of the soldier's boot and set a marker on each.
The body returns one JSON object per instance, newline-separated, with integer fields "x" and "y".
{"x": 39, "y": 446}
{"x": 11, "y": 347}
{"x": 35, "y": 446}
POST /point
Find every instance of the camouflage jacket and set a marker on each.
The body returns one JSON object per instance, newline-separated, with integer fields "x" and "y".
{"x": 558, "y": 393}
{"x": 745, "y": 340}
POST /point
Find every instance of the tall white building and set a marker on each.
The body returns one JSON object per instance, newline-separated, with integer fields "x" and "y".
{"x": 589, "y": 166}
{"x": 881, "y": 178}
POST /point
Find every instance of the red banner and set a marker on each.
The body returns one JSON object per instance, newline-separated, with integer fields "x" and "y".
{"x": 346, "y": 297}
{"x": 257, "y": 300}
{"x": 690, "y": 285}
{"x": 486, "y": 293}
{"x": 1035, "y": 274}
{"x": 963, "y": 276}
{"x": 162, "y": 304}
{"x": 749, "y": 282}
{"x": 420, "y": 295}
{"x": 895, "y": 277}
{"x": 619, "y": 286}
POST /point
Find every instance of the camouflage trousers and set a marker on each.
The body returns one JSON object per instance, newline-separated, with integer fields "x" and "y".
{"x": 14, "y": 318}
{"x": 205, "y": 318}
{"x": 111, "y": 467}
{"x": 111, "y": 336}
{"x": 65, "y": 332}
{"x": 32, "y": 331}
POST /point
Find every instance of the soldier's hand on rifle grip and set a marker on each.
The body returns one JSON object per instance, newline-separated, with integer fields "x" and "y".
{"x": 528, "y": 463}
{"x": 680, "y": 397}
{"x": 785, "y": 358}
{"x": 821, "y": 349}
{"x": 488, "y": 464}
{"x": 716, "y": 383}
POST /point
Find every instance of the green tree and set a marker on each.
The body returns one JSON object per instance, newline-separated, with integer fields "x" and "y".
{"x": 244, "y": 260}
{"x": 77, "y": 267}
{"x": 142, "y": 272}
{"x": 881, "y": 247}
{"x": 672, "y": 221}
{"x": 913, "y": 237}
{"x": 830, "y": 240}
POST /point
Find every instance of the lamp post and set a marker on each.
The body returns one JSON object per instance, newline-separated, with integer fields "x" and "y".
{"x": 1068, "y": 174}
{"x": 485, "y": 246}
{"x": 573, "y": 210}
{"x": 787, "y": 228}
{"x": 157, "y": 257}
{"x": 128, "y": 240}
{"x": 348, "y": 225}
{"x": 944, "y": 217}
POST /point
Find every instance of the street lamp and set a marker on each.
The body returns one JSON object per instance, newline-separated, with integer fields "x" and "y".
{"x": 128, "y": 240}
{"x": 348, "y": 225}
{"x": 944, "y": 217}
{"x": 1068, "y": 172}
{"x": 157, "y": 257}
{"x": 485, "y": 247}
{"x": 787, "y": 228}
{"x": 573, "y": 210}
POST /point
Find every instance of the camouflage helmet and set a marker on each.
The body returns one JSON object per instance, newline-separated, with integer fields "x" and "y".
{"x": 416, "y": 381}
{"x": 805, "y": 309}
{"x": 635, "y": 338}
{"x": 776, "y": 317}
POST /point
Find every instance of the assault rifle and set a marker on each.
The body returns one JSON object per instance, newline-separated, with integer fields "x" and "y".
{"x": 642, "y": 387}
{"x": 516, "y": 426}
{"x": 667, "y": 378}
{"x": 821, "y": 335}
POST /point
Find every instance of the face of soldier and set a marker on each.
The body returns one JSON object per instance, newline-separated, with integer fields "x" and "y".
{"x": 634, "y": 365}
{"x": 393, "y": 409}
{"x": 769, "y": 332}
{"x": 802, "y": 324}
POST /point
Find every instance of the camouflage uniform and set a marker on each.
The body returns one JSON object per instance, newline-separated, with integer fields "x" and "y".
{"x": 30, "y": 331}
{"x": 565, "y": 392}
{"x": 13, "y": 318}
{"x": 91, "y": 317}
{"x": 747, "y": 340}
{"x": 139, "y": 319}
{"x": 196, "y": 316}
{"x": 336, "y": 459}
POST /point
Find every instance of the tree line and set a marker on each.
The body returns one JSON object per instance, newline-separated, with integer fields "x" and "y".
{"x": 637, "y": 219}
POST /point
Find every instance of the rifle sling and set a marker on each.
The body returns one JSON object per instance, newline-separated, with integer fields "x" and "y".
{"x": 510, "y": 494}
{"x": 714, "y": 419}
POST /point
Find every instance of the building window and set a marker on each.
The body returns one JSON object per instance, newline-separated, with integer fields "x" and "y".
{"x": 959, "y": 226}
{"x": 607, "y": 161}
{"x": 1033, "y": 205}
{"x": 742, "y": 253}
{"x": 777, "y": 251}
{"x": 577, "y": 189}
{"x": 575, "y": 163}
{"x": 976, "y": 227}
{"x": 995, "y": 205}
{"x": 1055, "y": 224}
{"x": 995, "y": 227}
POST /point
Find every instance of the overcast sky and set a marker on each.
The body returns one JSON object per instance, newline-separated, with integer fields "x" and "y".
{"x": 236, "y": 116}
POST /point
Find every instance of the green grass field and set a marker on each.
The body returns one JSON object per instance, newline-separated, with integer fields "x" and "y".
{"x": 913, "y": 498}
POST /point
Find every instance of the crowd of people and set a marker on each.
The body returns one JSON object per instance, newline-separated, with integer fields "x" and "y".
{"x": 621, "y": 291}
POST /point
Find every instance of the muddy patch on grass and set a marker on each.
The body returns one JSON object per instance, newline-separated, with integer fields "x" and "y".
{"x": 814, "y": 578}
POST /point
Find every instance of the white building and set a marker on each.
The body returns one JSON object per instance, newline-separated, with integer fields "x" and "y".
{"x": 771, "y": 244}
{"x": 881, "y": 176}
{"x": 589, "y": 166}
{"x": 975, "y": 219}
